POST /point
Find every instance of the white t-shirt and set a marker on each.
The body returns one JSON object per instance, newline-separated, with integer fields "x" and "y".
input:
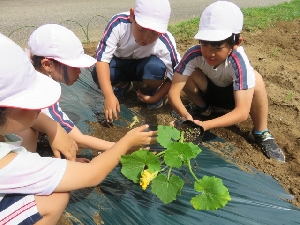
{"x": 28, "y": 173}
{"x": 118, "y": 40}
{"x": 235, "y": 69}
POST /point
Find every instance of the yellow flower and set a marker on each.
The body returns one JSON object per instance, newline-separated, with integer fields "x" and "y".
{"x": 147, "y": 176}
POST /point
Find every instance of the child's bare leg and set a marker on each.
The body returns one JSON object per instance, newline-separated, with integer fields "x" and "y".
{"x": 196, "y": 82}
{"x": 259, "y": 106}
{"x": 152, "y": 85}
{"x": 30, "y": 137}
{"x": 51, "y": 207}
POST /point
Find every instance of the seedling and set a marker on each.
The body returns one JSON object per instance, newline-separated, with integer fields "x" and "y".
{"x": 275, "y": 52}
{"x": 289, "y": 97}
{"x": 155, "y": 170}
{"x": 134, "y": 122}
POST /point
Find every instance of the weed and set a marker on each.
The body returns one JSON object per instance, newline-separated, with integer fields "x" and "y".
{"x": 274, "y": 52}
{"x": 19, "y": 28}
{"x": 86, "y": 32}
{"x": 289, "y": 97}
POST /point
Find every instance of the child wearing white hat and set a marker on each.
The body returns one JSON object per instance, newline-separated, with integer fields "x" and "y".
{"x": 34, "y": 189}
{"x": 136, "y": 46}
{"x": 57, "y": 52}
{"x": 217, "y": 72}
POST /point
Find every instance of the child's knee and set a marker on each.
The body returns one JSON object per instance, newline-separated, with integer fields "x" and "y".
{"x": 154, "y": 69}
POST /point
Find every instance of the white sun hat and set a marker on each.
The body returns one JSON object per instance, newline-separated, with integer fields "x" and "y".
{"x": 219, "y": 21}
{"x": 21, "y": 86}
{"x": 56, "y": 42}
{"x": 153, "y": 15}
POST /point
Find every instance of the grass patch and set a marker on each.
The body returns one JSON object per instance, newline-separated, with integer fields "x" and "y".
{"x": 264, "y": 17}
{"x": 254, "y": 19}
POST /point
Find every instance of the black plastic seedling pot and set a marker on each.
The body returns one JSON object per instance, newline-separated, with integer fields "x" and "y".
{"x": 192, "y": 131}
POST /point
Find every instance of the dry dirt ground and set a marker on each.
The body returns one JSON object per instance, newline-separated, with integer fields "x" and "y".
{"x": 275, "y": 53}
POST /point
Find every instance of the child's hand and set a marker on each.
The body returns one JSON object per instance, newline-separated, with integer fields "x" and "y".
{"x": 138, "y": 137}
{"x": 200, "y": 123}
{"x": 111, "y": 108}
{"x": 187, "y": 116}
{"x": 62, "y": 144}
{"x": 172, "y": 123}
{"x": 142, "y": 97}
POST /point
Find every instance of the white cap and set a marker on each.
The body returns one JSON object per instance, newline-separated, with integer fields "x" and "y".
{"x": 56, "y": 42}
{"x": 219, "y": 21}
{"x": 153, "y": 14}
{"x": 21, "y": 86}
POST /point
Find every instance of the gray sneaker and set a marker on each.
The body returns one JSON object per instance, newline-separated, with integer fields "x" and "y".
{"x": 194, "y": 110}
{"x": 156, "y": 105}
{"x": 268, "y": 145}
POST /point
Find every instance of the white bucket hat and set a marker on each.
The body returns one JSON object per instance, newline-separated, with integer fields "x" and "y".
{"x": 56, "y": 42}
{"x": 21, "y": 86}
{"x": 153, "y": 15}
{"x": 219, "y": 21}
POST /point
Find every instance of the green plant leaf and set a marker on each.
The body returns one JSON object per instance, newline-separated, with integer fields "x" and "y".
{"x": 214, "y": 194}
{"x": 167, "y": 133}
{"x": 177, "y": 153}
{"x": 134, "y": 164}
{"x": 195, "y": 149}
{"x": 166, "y": 190}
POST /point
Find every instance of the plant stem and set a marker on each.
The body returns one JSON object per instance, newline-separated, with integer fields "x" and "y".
{"x": 181, "y": 140}
{"x": 163, "y": 169}
{"x": 169, "y": 173}
{"x": 191, "y": 171}
{"x": 161, "y": 153}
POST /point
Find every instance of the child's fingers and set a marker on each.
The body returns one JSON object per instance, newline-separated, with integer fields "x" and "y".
{"x": 172, "y": 123}
{"x": 153, "y": 133}
{"x": 142, "y": 128}
{"x": 153, "y": 140}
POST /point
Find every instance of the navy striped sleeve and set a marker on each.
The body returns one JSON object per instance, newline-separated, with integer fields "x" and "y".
{"x": 17, "y": 207}
{"x": 240, "y": 70}
{"x": 171, "y": 48}
{"x": 58, "y": 116}
{"x": 191, "y": 54}
{"x": 115, "y": 21}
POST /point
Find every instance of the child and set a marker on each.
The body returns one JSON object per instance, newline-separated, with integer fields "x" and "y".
{"x": 217, "y": 72}
{"x": 34, "y": 189}
{"x": 57, "y": 52}
{"x": 136, "y": 46}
